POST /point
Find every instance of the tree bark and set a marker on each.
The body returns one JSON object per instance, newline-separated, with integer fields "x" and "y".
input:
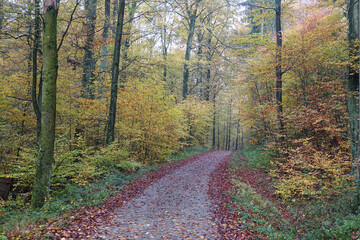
{"x": 104, "y": 48}
{"x": 164, "y": 43}
{"x": 89, "y": 64}
{"x": 213, "y": 126}
{"x": 110, "y": 137}
{"x": 229, "y": 127}
{"x": 192, "y": 23}
{"x": 279, "y": 98}
{"x": 2, "y": 15}
{"x": 127, "y": 42}
{"x": 353, "y": 81}
{"x": 47, "y": 136}
{"x": 237, "y": 136}
{"x": 36, "y": 41}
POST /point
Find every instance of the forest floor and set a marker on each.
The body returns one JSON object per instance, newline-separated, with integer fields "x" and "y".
{"x": 188, "y": 199}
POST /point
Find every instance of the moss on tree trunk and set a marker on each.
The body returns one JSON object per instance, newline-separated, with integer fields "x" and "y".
{"x": 47, "y": 134}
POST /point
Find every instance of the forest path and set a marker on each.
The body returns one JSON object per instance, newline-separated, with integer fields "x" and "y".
{"x": 176, "y": 206}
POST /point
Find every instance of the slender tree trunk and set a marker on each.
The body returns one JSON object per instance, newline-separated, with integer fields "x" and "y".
{"x": 47, "y": 135}
{"x": 279, "y": 98}
{"x": 110, "y": 137}
{"x": 214, "y": 126}
{"x": 353, "y": 82}
{"x": 2, "y": 15}
{"x": 242, "y": 140}
{"x": 114, "y": 17}
{"x": 104, "y": 47}
{"x": 191, "y": 31}
{"x": 218, "y": 134}
{"x": 224, "y": 137}
{"x": 164, "y": 39}
{"x": 229, "y": 127}
{"x": 165, "y": 53}
{"x": 208, "y": 71}
{"x": 237, "y": 136}
{"x": 127, "y": 42}
{"x": 36, "y": 41}
{"x": 89, "y": 63}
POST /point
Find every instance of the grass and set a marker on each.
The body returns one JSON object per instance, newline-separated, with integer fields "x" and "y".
{"x": 259, "y": 214}
{"x": 336, "y": 218}
{"x": 187, "y": 153}
{"x": 258, "y": 157}
{"x": 17, "y": 218}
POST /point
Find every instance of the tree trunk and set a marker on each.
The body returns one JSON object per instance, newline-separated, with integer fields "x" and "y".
{"x": 110, "y": 137}
{"x": 89, "y": 64}
{"x": 164, "y": 51}
{"x": 230, "y": 125}
{"x": 47, "y": 135}
{"x": 237, "y": 136}
{"x": 191, "y": 30}
{"x": 208, "y": 71}
{"x": 2, "y": 15}
{"x": 36, "y": 41}
{"x": 127, "y": 43}
{"x": 213, "y": 126}
{"x": 104, "y": 48}
{"x": 279, "y": 98}
{"x": 353, "y": 82}
{"x": 218, "y": 138}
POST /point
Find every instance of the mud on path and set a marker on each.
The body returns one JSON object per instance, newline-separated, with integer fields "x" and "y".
{"x": 176, "y": 206}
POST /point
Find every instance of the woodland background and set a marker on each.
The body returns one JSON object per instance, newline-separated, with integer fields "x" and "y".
{"x": 200, "y": 73}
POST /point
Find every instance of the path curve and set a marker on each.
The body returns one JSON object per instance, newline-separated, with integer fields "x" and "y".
{"x": 177, "y": 206}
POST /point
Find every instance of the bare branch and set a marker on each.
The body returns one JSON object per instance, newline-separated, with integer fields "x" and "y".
{"x": 68, "y": 26}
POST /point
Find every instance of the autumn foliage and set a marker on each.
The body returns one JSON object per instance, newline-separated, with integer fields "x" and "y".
{"x": 313, "y": 161}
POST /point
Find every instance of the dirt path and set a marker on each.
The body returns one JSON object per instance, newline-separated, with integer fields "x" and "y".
{"x": 177, "y": 206}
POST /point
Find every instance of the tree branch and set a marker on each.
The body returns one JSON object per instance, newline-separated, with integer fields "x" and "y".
{"x": 68, "y": 26}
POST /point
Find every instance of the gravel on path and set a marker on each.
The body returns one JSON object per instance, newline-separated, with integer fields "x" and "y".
{"x": 176, "y": 206}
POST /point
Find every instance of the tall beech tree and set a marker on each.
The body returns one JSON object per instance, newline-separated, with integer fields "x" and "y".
{"x": 192, "y": 13}
{"x": 48, "y": 110}
{"x": 127, "y": 41}
{"x": 278, "y": 63}
{"x": 278, "y": 71}
{"x": 110, "y": 136}
{"x": 36, "y": 41}
{"x": 353, "y": 82}
{"x": 104, "y": 45}
{"x": 105, "y": 35}
{"x": 89, "y": 63}
{"x": 2, "y": 15}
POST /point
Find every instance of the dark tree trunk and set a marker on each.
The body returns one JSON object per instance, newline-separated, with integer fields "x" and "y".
{"x": 237, "y": 136}
{"x": 104, "y": 47}
{"x": 110, "y": 137}
{"x": 89, "y": 63}
{"x": 279, "y": 98}
{"x": 353, "y": 82}
{"x": 36, "y": 41}
{"x": 2, "y": 15}
{"x": 218, "y": 138}
{"x": 192, "y": 23}
{"x": 127, "y": 43}
{"x": 165, "y": 52}
{"x": 229, "y": 127}
{"x": 47, "y": 135}
{"x": 208, "y": 71}
{"x": 213, "y": 126}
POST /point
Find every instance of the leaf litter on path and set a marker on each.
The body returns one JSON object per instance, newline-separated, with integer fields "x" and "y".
{"x": 187, "y": 199}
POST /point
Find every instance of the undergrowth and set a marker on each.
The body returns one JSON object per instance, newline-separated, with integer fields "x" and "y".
{"x": 258, "y": 157}
{"x": 17, "y": 218}
{"x": 335, "y": 218}
{"x": 257, "y": 213}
